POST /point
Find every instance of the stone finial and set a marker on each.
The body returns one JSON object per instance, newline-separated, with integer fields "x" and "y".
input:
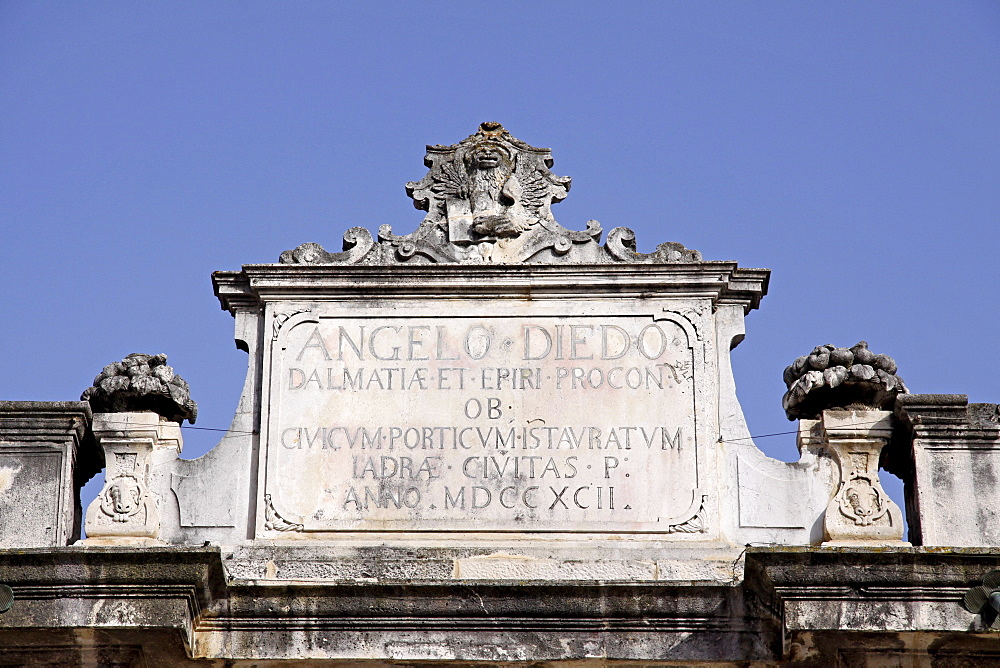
{"x": 488, "y": 199}
{"x": 832, "y": 377}
{"x": 142, "y": 383}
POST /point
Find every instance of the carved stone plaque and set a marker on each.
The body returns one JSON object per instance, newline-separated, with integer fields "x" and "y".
{"x": 490, "y": 372}
{"x": 504, "y": 421}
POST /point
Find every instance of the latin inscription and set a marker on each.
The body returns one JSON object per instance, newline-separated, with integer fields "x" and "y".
{"x": 482, "y": 424}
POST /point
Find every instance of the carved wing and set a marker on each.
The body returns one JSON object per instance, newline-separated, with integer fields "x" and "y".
{"x": 534, "y": 191}
{"x": 450, "y": 182}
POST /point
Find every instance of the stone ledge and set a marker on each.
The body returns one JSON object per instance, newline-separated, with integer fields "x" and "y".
{"x": 832, "y": 601}
{"x": 484, "y": 558}
{"x": 129, "y": 566}
{"x": 723, "y": 282}
{"x": 51, "y": 422}
{"x": 875, "y": 606}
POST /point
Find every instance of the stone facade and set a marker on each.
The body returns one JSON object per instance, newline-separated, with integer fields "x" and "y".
{"x": 498, "y": 441}
{"x": 799, "y": 606}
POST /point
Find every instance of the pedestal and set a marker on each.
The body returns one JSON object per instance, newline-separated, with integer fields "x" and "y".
{"x": 126, "y": 509}
{"x": 860, "y": 512}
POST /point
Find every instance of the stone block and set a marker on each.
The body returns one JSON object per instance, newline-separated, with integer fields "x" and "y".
{"x": 860, "y": 512}
{"x": 949, "y": 452}
{"x": 126, "y": 507}
{"x": 421, "y": 406}
{"x": 46, "y": 454}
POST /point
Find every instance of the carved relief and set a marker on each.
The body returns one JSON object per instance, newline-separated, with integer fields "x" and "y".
{"x": 832, "y": 377}
{"x": 124, "y": 496}
{"x": 692, "y": 316}
{"x": 275, "y": 522}
{"x": 696, "y": 521}
{"x": 488, "y": 186}
{"x": 696, "y": 524}
{"x": 682, "y": 368}
{"x": 125, "y": 506}
{"x": 621, "y": 246}
{"x": 282, "y": 317}
{"x": 860, "y": 511}
{"x": 357, "y": 244}
{"x": 488, "y": 199}
{"x": 859, "y": 461}
{"x": 861, "y": 501}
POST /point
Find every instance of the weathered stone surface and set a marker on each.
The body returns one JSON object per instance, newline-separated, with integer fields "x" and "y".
{"x": 488, "y": 200}
{"x": 46, "y": 454}
{"x": 485, "y": 559}
{"x": 506, "y": 421}
{"x": 860, "y": 511}
{"x": 832, "y": 377}
{"x": 784, "y": 502}
{"x": 133, "y": 444}
{"x": 100, "y": 606}
{"x": 142, "y": 383}
{"x": 875, "y": 606}
{"x": 369, "y": 620}
{"x": 443, "y": 399}
{"x": 948, "y": 451}
{"x": 174, "y": 606}
{"x": 437, "y": 459}
{"x": 578, "y": 391}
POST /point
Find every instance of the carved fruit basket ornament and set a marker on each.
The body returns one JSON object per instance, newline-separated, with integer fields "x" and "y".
{"x": 832, "y": 377}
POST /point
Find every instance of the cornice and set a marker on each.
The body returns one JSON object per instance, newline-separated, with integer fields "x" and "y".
{"x": 155, "y": 585}
{"x": 724, "y": 283}
{"x": 44, "y": 420}
{"x": 948, "y": 421}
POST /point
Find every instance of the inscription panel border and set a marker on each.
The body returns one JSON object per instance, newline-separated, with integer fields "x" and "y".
{"x": 286, "y": 316}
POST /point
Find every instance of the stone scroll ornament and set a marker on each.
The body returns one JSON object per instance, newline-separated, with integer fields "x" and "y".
{"x": 488, "y": 199}
{"x": 142, "y": 383}
{"x": 832, "y": 377}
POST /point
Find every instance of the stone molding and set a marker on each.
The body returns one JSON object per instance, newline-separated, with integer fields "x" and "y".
{"x": 869, "y": 606}
{"x": 43, "y": 420}
{"x": 949, "y": 419}
{"x": 704, "y": 299}
{"x": 824, "y": 602}
{"x": 724, "y": 283}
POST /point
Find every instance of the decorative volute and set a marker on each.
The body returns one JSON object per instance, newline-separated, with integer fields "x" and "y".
{"x": 488, "y": 199}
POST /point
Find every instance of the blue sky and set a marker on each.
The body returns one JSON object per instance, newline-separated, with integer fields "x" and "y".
{"x": 852, "y": 147}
